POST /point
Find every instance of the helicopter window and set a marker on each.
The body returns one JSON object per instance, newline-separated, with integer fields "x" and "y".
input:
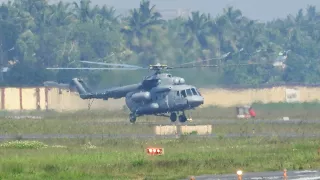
{"x": 189, "y": 93}
{"x": 194, "y": 92}
{"x": 198, "y": 92}
{"x": 183, "y": 92}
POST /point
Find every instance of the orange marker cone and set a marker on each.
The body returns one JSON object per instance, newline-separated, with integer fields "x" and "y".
{"x": 285, "y": 174}
{"x": 239, "y": 173}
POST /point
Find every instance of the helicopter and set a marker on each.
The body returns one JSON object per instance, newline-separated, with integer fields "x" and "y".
{"x": 159, "y": 94}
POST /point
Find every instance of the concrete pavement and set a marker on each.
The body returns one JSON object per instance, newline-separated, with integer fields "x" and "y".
{"x": 106, "y": 136}
{"x": 276, "y": 175}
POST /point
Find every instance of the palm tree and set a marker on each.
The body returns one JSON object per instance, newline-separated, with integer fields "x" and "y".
{"x": 197, "y": 30}
{"x": 140, "y": 25}
{"x": 82, "y": 10}
{"x": 61, "y": 14}
{"x": 109, "y": 14}
{"x": 233, "y": 16}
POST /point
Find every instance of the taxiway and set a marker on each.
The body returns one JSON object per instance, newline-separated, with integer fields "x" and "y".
{"x": 276, "y": 175}
{"x": 140, "y": 136}
{"x": 205, "y": 121}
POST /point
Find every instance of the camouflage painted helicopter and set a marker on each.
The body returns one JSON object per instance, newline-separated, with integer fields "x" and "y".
{"x": 158, "y": 94}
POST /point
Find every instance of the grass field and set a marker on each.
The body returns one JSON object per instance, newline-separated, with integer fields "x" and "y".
{"x": 264, "y": 111}
{"x": 101, "y": 126}
{"x": 126, "y": 158}
{"x": 89, "y": 122}
{"x": 101, "y": 158}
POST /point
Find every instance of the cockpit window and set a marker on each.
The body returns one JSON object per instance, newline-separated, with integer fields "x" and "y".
{"x": 183, "y": 92}
{"x": 194, "y": 92}
{"x": 198, "y": 92}
{"x": 189, "y": 93}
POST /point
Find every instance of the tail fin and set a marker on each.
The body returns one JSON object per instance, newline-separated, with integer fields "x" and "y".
{"x": 82, "y": 88}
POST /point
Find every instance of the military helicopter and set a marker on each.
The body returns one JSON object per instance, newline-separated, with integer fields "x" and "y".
{"x": 158, "y": 94}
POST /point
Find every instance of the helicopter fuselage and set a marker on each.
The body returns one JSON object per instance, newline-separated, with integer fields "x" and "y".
{"x": 158, "y": 94}
{"x": 163, "y": 99}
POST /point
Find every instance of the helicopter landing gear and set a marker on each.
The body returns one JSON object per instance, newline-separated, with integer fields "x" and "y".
{"x": 173, "y": 117}
{"x": 133, "y": 118}
{"x": 182, "y": 118}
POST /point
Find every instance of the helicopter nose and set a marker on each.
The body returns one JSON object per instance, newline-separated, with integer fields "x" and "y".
{"x": 195, "y": 100}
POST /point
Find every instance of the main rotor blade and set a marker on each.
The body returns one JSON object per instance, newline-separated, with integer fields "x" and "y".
{"x": 211, "y": 59}
{"x": 247, "y": 64}
{"x": 97, "y": 68}
{"x": 226, "y": 65}
{"x": 111, "y": 64}
{"x": 183, "y": 67}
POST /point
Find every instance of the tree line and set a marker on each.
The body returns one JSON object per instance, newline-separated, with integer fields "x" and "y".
{"x": 35, "y": 35}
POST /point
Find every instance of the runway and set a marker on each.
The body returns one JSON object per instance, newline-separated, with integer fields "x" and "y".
{"x": 206, "y": 121}
{"x": 276, "y": 175}
{"x": 148, "y": 136}
{"x": 196, "y": 121}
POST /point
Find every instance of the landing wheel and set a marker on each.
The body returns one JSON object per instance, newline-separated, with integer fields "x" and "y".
{"x": 173, "y": 117}
{"x": 182, "y": 118}
{"x": 133, "y": 118}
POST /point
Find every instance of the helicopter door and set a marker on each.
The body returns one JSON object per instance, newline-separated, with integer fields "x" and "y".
{"x": 163, "y": 100}
{"x": 180, "y": 99}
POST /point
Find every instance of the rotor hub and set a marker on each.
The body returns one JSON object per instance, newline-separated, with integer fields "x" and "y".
{"x": 158, "y": 67}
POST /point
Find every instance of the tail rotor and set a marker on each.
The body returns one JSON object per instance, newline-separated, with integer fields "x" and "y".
{"x": 84, "y": 91}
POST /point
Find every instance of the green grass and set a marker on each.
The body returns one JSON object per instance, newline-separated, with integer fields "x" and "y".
{"x": 126, "y": 158}
{"x": 103, "y": 126}
{"x": 103, "y": 158}
{"x": 97, "y": 122}
{"x": 264, "y": 111}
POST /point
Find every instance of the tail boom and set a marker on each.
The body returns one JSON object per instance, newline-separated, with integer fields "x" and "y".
{"x": 116, "y": 93}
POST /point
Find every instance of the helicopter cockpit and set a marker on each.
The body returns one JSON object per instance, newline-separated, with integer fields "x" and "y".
{"x": 188, "y": 92}
{"x": 192, "y": 95}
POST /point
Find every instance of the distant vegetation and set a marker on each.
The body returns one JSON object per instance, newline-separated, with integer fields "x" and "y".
{"x": 35, "y": 35}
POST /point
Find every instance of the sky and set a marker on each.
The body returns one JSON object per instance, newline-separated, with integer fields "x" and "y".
{"x": 263, "y": 10}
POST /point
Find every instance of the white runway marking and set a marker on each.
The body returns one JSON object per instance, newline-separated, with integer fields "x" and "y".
{"x": 276, "y": 175}
{"x": 308, "y": 178}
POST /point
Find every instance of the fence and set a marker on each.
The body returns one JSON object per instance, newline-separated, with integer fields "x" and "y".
{"x": 43, "y": 98}
{"x": 235, "y": 97}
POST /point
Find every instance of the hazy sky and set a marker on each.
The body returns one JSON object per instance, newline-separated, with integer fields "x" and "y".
{"x": 255, "y": 9}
